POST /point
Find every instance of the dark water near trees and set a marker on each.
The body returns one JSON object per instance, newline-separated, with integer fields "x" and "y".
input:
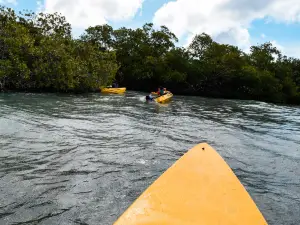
{"x": 68, "y": 159}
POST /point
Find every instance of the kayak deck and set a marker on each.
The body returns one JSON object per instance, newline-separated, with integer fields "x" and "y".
{"x": 199, "y": 189}
{"x": 113, "y": 90}
{"x": 164, "y": 98}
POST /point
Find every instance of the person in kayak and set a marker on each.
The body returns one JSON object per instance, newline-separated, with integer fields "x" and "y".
{"x": 161, "y": 91}
{"x": 115, "y": 85}
{"x": 158, "y": 91}
{"x": 149, "y": 98}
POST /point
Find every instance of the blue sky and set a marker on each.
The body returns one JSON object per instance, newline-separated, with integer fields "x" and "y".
{"x": 238, "y": 22}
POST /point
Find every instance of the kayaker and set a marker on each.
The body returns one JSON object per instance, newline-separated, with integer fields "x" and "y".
{"x": 149, "y": 98}
{"x": 161, "y": 91}
{"x": 115, "y": 85}
{"x": 158, "y": 91}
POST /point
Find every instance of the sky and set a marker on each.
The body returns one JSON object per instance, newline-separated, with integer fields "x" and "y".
{"x": 237, "y": 22}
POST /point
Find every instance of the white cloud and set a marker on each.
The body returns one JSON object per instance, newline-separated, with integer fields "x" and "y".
{"x": 84, "y": 13}
{"x": 227, "y": 21}
{"x": 288, "y": 49}
{"x": 277, "y": 45}
{"x": 4, "y": 2}
{"x": 234, "y": 36}
{"x": 292, "y": 51}
{"x": 263, "y": 36}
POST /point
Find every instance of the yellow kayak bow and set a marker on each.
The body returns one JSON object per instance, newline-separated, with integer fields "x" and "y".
{"x": 199, "y": 189}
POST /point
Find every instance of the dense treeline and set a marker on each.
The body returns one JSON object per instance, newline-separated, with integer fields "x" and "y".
{"x": 39, "y": 53}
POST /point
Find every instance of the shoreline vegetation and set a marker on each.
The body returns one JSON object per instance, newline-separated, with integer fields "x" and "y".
{"x": 38, "y": 53}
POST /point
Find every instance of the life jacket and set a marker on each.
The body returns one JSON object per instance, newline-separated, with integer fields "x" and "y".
{"x": 161, "y": 92}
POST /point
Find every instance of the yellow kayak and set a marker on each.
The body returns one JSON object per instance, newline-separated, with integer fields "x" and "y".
{"x": 113, "y": 90}
{"x": 199, "y": 189}
{"x": 164, "y": 98}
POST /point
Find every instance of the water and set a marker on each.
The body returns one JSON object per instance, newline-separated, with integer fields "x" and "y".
{"x": 67, "y": 159}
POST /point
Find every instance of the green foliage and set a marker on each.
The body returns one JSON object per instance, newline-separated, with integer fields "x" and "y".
{"x": 37, "y": 52}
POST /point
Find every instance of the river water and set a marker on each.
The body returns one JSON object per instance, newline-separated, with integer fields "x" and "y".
{"x": 69, "y": 159}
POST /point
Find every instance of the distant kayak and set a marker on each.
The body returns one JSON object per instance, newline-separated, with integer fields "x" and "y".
{"x": 164, "y": 98}
{"x": 113, "y": 90}
{"x": 200, "y": 188}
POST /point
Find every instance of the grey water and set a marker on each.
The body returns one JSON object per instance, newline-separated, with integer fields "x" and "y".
{"x": 83, "y": 159}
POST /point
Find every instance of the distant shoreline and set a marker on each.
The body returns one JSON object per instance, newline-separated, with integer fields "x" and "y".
{"x": 187, "y": 94}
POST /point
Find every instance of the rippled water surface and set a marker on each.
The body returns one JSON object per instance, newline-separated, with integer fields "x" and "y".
{"x": 67, "y": 159}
